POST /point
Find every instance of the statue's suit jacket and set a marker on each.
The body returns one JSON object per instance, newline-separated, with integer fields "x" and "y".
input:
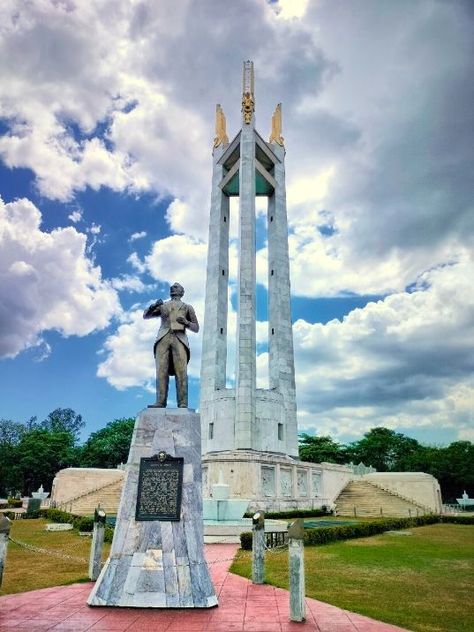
{"x": 164, "y": 311}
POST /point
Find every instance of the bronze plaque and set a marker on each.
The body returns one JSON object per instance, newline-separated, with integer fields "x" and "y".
{"x": 160, "y": 486}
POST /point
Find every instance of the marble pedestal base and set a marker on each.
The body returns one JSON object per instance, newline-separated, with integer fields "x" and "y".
{"x": 159, "y": 564}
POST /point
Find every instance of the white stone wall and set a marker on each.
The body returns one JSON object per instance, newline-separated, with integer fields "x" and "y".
{"x": 275, "y": 482}
{"x": 418, "y": 486}
{"x": 214, "y": 347}
{"x": 75, "y": 481}
{"x": 280, "y": 332}
{"x": 245, "y": 372}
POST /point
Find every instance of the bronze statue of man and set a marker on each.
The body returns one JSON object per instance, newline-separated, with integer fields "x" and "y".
{"x": 171, "y": 348}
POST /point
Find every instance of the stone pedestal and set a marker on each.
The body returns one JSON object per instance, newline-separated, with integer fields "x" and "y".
{"x": 155, "y": 563}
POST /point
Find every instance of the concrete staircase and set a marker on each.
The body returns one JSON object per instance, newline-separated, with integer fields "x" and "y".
{"x": 361, "y": 498}
{"x": 108, "y": 496}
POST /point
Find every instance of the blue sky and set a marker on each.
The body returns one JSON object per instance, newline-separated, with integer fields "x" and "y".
{"x": 105, "y": 168}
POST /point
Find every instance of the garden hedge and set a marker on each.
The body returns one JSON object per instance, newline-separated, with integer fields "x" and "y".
{"x": 292, "y": 513}
{"x": 324, "y": 535}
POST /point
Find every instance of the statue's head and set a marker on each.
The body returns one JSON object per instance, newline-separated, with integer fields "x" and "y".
{"x": 176, "y": 290}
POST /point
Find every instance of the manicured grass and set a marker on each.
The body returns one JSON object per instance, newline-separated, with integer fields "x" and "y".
{"x": 422, "y": 581}
{"x": 28, "y": 570}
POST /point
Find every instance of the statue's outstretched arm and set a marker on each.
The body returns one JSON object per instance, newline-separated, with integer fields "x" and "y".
{"x": 153, "y": 310}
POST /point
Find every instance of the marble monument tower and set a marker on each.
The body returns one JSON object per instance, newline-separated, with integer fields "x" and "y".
{"x": 248, "y": 433}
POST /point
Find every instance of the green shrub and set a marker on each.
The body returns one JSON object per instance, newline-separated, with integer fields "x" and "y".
{"x": 297, "y": 513}
{"x": 83, "y": 523}
{"x": 57, "y": 515}
{"x": 3, "y": 505}
{"x": 9, "y": 514}
{"x": 365, "y": 529}
{"x": 108, "y": 533}
{"x": 31, "y": 514}
{"x": 15, "y": 502}
{"x": 458, "y": 519}
{"x": 246, "y": 541}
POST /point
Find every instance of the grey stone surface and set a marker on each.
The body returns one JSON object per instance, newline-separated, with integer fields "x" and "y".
{"x": 258, "y": 548}
{"x": 262, "y": 420}
{"x": 159, "y": 564}
{"x": 95, "y": 560}
{"x": 296, "y": 570}
{"x": 4, "y": 532}
{"x": 56, "y": 526}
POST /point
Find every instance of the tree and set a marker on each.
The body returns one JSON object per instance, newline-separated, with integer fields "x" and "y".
{"x": 109, "y": 446}
{"x": 383, "y": 449}
{"x": 321, "y": 450}
{"x": 64, "y": 420}
{"x": 457, "y": 469}
{"x": 39, "y": 455}
{"x": 11, "y": 433}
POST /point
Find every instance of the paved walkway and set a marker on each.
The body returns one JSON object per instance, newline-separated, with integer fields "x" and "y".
{"x": 243, "y": 607}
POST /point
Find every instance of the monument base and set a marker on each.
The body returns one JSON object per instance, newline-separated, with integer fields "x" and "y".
{"x": 274, "y": 482}
{"x": 159, "y": 563}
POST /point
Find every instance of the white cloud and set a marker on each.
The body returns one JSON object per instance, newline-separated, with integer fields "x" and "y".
{"x": 136, "y": 263}
{"x": 406, "y": 361}
{"x": 129, "y": 360}
{"x": 129, "y": 283}
{"x": 139, "y": 235}
{"x": 182, "y": 259}
{"x": 47, "y": 282}
{"x": 288, "y": 9}
{"x": 75, "y": 216}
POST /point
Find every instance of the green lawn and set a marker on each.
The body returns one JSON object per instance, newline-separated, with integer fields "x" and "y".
{"x": 28, "y": 570}
{"x": 422, "y": 582}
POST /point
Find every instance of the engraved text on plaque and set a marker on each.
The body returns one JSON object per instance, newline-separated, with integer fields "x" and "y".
{"x": 160, "y": 485}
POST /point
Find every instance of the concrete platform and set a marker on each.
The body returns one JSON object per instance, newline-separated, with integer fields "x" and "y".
{"x": 243, "y": 607}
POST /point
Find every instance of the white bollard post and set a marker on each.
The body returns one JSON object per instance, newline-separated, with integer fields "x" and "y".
{"x": 95, "y": 560}
{"x": 296, "y": 570}
{"x": 258, "y": 548}
{"x": 5, "y": 525}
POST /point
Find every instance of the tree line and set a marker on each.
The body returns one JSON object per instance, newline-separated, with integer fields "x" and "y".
{"x": 390, "y": 451}
{"x": 31, "y": 453}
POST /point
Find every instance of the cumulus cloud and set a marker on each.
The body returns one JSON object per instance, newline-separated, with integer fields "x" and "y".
{"x": 129, "y": 360}
{"x": 136, "y": 263}
{"x": 405, "y": 361}
{"x": 47, "y": 282}
{"x": 182, "y": 259}
{"x": 399, "y": 193}
{"x": 129, "y": 283}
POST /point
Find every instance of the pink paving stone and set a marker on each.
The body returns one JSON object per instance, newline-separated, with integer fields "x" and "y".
{"x": 243, "y": 607}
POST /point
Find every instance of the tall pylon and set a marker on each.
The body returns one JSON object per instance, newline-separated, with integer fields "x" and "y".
{"x": 245, "y": 417}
